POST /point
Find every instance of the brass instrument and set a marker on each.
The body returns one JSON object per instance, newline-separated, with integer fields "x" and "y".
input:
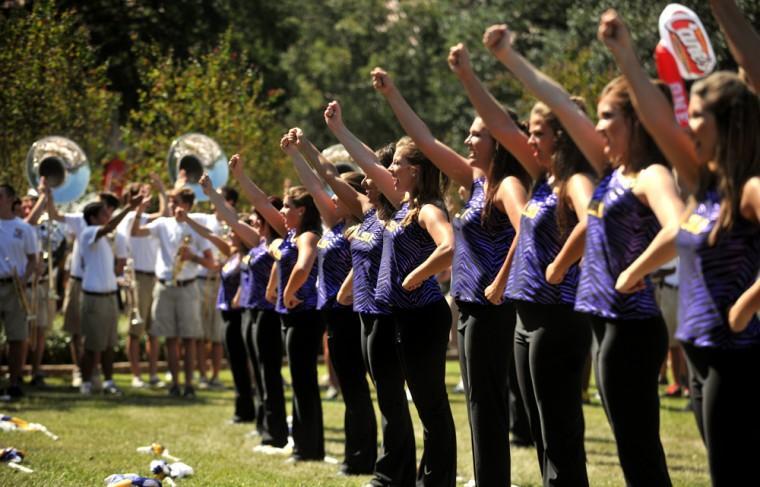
{"x": 135, "y": 319}
{"x": 195, "y": 154}
{"x": 21, "y": 292}
{"x": 179, "y": 263}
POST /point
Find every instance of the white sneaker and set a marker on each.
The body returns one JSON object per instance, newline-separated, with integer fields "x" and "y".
{"x": 85, "y": 388}
{"x": 137, "y": 382}
{"x": 203, "y": 383}
{"x": 157, "y": 383}
{"x": 76, "y": 378}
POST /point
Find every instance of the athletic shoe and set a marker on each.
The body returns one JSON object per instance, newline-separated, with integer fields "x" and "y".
{"x": 215, "y": 383}
{"x": 189, "y": 392}
{"x": 203, "y": 383}
{"x": 156, "y": 383}
{"x": 38, "y": 380}
{"x": 459, "y": 388}
{"x": 15, "y": 392}
{"x": 331, "y": 393}
{"x": 76, "y": 378}
{"x": 85, "y": 388}
{"x": 110, "y": 389}
{"x": 137, "y": 383}
{"x": 174, "y": 390}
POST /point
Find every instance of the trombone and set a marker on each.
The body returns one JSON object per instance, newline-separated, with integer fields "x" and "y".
{"x": 135, "y": 319}
{"x": 21, "y": 293}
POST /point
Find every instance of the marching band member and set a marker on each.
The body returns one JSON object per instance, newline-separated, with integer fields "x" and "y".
{"x": 176, "y": 301}
{"x": 18, "y": 258}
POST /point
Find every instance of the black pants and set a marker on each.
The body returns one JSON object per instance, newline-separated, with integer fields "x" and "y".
{"x": 486, "y": 335}
{"x": 396, "y": 463}
{"x": 725, "y": 394}
{"x": 264, "y": 344}
{"x": 422, "y": 337}
{"x": 344, "y": 338}
{"x": 303, "y": 340}
{"x": 518, "y": 416}
{"x": 551, "y": 343}
{"x": 238, "y": 358}
{"x": 628, "y": 360}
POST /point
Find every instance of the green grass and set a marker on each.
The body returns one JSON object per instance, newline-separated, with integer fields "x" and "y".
{"x": 99, "y": 436}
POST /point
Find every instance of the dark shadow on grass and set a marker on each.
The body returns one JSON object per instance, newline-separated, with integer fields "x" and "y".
{"x": 598, "y": 439}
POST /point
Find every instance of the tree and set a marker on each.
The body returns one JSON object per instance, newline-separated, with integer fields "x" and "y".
{"x": 215, "y": 93}
{"x": 50, "y": 84}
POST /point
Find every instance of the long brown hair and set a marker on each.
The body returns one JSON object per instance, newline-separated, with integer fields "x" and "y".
{"x": 431, "y": 182}
{"x": 311, "y": 221}
{"x": 385, "y": 157}
{"x": 567, "y": 160}
{"x": 737, "y": 117}
{"x": 642, "y": 149}
{"x": 503, "y": 164}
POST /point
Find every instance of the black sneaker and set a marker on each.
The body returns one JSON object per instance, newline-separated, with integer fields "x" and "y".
{"x": 189, "y": 392}
{"x": 15, "y": 392}
{"x": 38, "y": 381}
{"x": 174, "y": 390}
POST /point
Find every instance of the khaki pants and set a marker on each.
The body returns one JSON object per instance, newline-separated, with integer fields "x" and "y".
{"x": 100, "y": 316}
{"x": 72, "y": 307}
{"x": 176, "y": 311}
{"x": 12, "y": 313}
{"x": 211, "y": 318}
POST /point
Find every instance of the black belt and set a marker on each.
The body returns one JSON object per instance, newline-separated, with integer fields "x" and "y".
{"x": 208, "y": 278}
{"x": 145, "y": 273}
{"x": 76, "y": 278}
{"x": 93, "y": 293}
{"x": 169, "y": 282}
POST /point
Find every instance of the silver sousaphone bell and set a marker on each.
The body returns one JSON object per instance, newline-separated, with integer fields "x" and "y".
{"x": 64, "y": 165}
{"x": 195, "y": 154}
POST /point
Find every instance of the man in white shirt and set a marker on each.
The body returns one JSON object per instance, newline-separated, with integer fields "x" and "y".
{"x": 142, "y": 251}
{"x": 75, "y": 223}
{"x": 100, "y": 308}
{"x": 18, "y": 257}
{"x": 208, "y": 285}
{"x": 176, "y": 300}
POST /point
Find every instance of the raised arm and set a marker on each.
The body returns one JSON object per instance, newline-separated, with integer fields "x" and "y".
{"x": 357, "y": 203}
{"x": 743, "y": 40}
{"x": 361, "y": 154}
{"x": 650, "y": 103}
{"x": 573, "y": 119}
{"x": 117, "y": 218}
{"x": 327, "y": 209}
{"x": 498, "y": 121}
{"x": 247, "y": 233}
{"x": 204, "y": 232}
{"x": 257, "y": 197}
{"x": 163, "y": 208}
{"x": 448, "y": 161}
{"x": 138, "y": 230}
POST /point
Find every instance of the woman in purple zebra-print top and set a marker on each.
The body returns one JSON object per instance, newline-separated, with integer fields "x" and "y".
{"x": 718, "y": 163}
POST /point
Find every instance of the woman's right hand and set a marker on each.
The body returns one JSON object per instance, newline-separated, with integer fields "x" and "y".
{"x": 382, "y": 82}
{"x": 459, "y": 59}
{"x": 333, "y": 115}
{"x": 613, "y": 33}
{"x": 498, "y": 39}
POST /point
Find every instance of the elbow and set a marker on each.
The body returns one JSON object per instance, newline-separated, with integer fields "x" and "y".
{"x": 446, "y": 251}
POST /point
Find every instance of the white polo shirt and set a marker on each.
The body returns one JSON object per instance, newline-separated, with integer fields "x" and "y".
{"x": 143, "y": 250}
{"x": 210, "y": 221}
{"x": 170, "y": 235}
{"x": 74, "y": 225}
{"x": 98, "y": 259}
{"x": 18, "y": 240}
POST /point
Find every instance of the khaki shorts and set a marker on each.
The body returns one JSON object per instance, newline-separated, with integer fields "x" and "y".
{"x": 667, "y": 299}
{"x": 12, "y": 314}
{"x": 144, "y": 284}
{"x": 44, "y": 305}
{"x": 176, "y": 311}
{"x": 211, "y": 318}
{"x": 72, "y": 322}
{"x": 100, "y": 317}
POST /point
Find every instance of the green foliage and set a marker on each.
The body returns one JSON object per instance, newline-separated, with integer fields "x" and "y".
{"x": 50, "y": 84}
{"x": 215, "y": 93}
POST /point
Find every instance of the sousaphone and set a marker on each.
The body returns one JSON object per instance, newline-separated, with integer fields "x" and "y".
{"x": 193, "y": 154}
{"x": 64, "y": 165}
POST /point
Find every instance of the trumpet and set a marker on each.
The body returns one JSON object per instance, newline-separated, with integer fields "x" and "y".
{"x": 179, "y": 263}
{"x": 135, "y": 319}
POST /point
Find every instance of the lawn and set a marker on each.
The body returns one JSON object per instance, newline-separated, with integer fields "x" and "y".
{"x": 99, "y": 436}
